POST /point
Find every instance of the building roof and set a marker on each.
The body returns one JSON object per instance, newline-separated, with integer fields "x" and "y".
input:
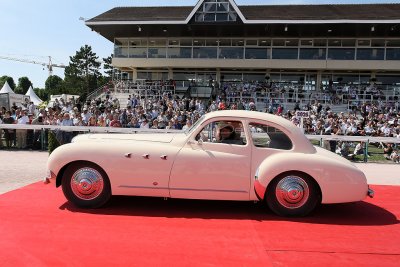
{"x": 261, "y": 12}
{"x": 144, "y": 14}
{"x": 323, "y": 12}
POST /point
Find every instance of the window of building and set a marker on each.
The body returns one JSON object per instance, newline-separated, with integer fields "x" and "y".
{"x": 257, "y": 53}
{"x": 231, "y": 52}
{"x": 313, "y": 53}
{"x": 306, "y": 42}
{"x": 370, "y": 54}
{"x": 265, "y": 136}
{"x": 392, "y": 53}
{"x": 251, "y": 42}
{"x": 264, "y": 42}
{"x": 341, "y": 53}
{"x": 334, "y": 42}
{"x": 285, "y": 53}
{"x": 320, "y": 42}
{"x": 349, "y": 42}
{"x": 216, "y": 10}
{"x": 393, "y": 43}
{"x": 363, "y": 42}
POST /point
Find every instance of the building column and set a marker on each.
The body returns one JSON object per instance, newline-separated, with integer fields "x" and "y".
{"x": 170, "y": 73}
{"x": 134, "y": 74}
{"x": 267, "y": 74}
{"x": 319, "y": 81}
{"x": 218, "y": 75}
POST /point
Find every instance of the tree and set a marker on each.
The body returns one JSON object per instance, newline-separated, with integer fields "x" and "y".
{"x": 83, "y": 71}
{"x": 7, "y": 79}
{"x": 41, "y": 93}
{"x": 23, "y": 85}
{"x": 54, "y": 85}
{"x": 108, "y": 68}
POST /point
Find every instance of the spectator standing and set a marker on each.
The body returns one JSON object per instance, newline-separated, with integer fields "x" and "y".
{"x": 8, "y": 133}
{"x": 23, "y": 119}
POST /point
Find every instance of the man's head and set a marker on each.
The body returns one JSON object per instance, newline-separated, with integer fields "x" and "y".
{"x": 224, "y": 131}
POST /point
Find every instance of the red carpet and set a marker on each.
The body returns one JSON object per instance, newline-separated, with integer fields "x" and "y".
{"x": 39, "y": 228}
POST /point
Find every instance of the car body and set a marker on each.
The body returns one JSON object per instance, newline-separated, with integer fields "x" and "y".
{"x": 268, "y": 159}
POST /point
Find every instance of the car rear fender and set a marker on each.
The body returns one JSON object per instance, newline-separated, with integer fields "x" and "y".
{"x": 277, "y": 164}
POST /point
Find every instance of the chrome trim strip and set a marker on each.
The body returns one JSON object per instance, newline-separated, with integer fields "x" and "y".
{"x": 144, "y": 187}
{"x": 185, "y": 189}
{"x": 209, "y": 190}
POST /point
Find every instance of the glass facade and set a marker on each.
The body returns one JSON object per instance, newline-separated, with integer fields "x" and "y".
{"x": 370, "y": 54}
{"x": 216, "y": 10}
{"x": 239, "y": 48}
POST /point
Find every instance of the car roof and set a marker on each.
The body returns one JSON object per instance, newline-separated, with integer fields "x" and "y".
{"x": 244, "y": 114}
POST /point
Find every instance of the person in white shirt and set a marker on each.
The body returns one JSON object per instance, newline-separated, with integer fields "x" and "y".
{"x": 22, "y": 119}
{"x": 187, "y": 125}
{"x": 86, "y": 116}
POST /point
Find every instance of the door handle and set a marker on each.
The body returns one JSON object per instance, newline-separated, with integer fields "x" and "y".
{"x": 145, "y": 156}
{"x": 128, "y": 155}
{"x": 163, "y": 157}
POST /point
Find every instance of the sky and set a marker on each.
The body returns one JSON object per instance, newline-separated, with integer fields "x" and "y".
{"x": 34, "y": 30}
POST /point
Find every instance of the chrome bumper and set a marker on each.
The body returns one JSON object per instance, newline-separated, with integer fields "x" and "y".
{"x": 370, "y": 193}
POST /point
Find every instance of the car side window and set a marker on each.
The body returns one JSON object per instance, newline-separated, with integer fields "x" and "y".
{"x": 269, "y": 137}
{"x": 225, "y": 132}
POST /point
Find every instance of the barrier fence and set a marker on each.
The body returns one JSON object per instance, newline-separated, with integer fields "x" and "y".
{"x": 43, "y": 129}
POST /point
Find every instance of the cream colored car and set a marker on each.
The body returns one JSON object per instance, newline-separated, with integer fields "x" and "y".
{"x": 225, "y": 155}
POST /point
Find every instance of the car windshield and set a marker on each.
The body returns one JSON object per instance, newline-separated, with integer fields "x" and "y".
{"x": 194, "y": 126}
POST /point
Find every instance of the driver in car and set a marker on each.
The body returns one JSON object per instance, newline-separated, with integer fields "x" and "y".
{"x": 225, "y": 133}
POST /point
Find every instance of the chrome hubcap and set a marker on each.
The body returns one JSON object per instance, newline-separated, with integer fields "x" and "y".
{"x": 87, "y": 183}
{"x": 292, "y": 192}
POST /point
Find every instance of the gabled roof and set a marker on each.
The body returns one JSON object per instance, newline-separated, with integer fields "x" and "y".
{"x": 144, "y": 14}
{"x": 347, "y": 13}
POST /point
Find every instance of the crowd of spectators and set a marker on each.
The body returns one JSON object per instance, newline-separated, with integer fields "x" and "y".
{"x": 171, "y": 112}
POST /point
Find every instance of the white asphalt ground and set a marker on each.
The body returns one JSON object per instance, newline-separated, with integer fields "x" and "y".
{"x": 21, "y": 168}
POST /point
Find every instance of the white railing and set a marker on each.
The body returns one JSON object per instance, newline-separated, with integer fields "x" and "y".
{"x": 89, "y": 129}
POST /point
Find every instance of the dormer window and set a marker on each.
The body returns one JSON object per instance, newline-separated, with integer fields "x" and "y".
{"x": 216, "y": 11}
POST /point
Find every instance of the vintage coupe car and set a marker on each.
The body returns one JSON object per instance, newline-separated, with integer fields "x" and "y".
{"x": 225, "y": 155}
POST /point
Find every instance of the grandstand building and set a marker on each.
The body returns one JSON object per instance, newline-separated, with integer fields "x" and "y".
{"x": 310, "y": 45}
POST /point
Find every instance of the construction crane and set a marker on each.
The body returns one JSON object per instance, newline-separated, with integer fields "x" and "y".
{"x": 48, "y": 65}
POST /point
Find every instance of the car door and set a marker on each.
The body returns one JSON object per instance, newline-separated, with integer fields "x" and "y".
{"x": 206, "y": 168}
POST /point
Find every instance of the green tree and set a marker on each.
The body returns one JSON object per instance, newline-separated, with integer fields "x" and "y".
{"x": 9, "y": 80}
{"x": 108, "y": 68}
{"x": 54, "y": 85}
{"x": 83, "y": 72}
{"x": 42, "y": 93}
{"x": 23, "y": 85}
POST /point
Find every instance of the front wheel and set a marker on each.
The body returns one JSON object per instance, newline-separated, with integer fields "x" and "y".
{"x": 86, "y": 185}
{"x": 293, "y": 194}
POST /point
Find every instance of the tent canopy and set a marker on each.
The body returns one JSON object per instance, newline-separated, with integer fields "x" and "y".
{"x": 6, "y": 89}
{"x": 34, "y": 98}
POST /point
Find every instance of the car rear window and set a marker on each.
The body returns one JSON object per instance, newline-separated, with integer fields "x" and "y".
{"x": 266, "y": 136}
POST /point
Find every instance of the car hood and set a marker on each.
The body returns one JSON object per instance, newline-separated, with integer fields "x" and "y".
{"x": 161, "y": 138}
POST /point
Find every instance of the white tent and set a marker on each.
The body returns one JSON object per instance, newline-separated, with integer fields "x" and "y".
{"x": 6, "y": 89}
{"x": 33, "y": 97}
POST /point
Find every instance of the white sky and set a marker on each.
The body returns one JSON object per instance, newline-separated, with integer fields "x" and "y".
{"x": 37, "y": 29}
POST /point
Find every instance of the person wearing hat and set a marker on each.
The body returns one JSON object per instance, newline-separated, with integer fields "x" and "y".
{"x": 85, "y": 115}
{"x": 225, "y": 133}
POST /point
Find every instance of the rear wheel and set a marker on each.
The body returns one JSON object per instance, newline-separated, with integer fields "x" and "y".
{"x": 86, "y": 185}
{"x": 293, "y": 194}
